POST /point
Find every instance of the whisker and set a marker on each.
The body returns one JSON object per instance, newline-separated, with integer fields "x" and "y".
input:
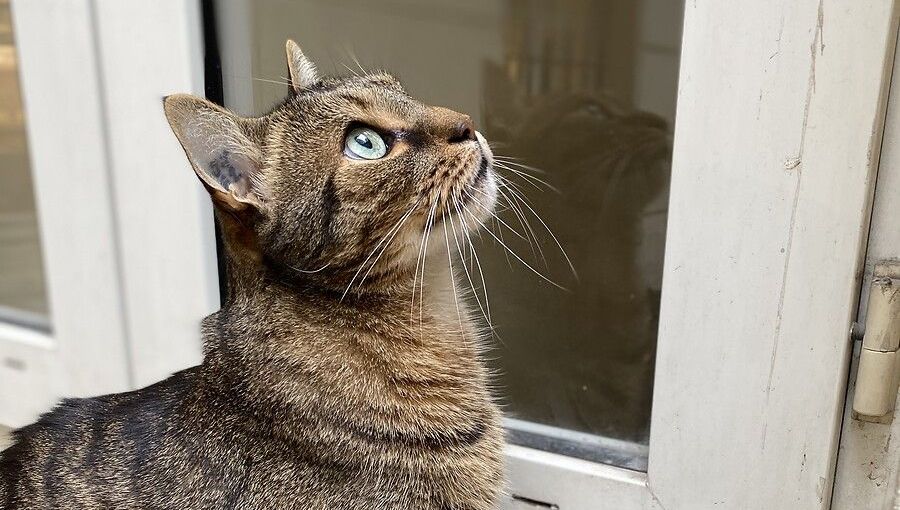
{"x": 499, "y": 165}
{"x": 355, "y": 59}
{"x": 350, "y": 53}
{"x": 520, "y": 259}
{"x": 306, "y": 271}
{"x": 518, "y": 162}
{"x": 523, "y": 220}
{"x": 493, "y": 214}
{"x": 423, "y": 246}
{"x": 474, "y": 252}
{"x": 424, "y": 259}
{"x": 505, "y": 182}
{"x": 361, "y": 68}
{"x": 452, "y": 277}
{"x": 427, "y": 234}
{"x": 361, "y": 266}
{"x": 285, "y": 81}
{"x": 549, "y": 231}
{"x": 352, "y": 71}
{"x": 530, "y": 179}
{"x": 505, "y": 255}
{"x": 487, "y": 304}
{"x": 484, "y": 311}
{"x": 383, "y": 248}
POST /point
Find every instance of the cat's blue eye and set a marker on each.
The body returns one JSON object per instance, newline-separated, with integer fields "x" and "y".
{"x": 364, "y": 143}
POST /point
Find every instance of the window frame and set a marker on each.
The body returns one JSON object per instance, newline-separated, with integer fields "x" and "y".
{"x": 114, "y": 195}
{"x": 869, "y": 463}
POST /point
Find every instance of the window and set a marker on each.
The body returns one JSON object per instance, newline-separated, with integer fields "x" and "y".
{"x": 23, "y": 298}
{"x": 579, "y": 94}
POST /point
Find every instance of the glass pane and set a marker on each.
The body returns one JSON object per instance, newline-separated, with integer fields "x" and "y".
{"x": 22, "y": 295}
{"x": 583, "y": 91}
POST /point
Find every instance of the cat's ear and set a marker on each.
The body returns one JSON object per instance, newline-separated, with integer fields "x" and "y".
{"x": 225, "y": 159}
{"x": 302, "y": 70}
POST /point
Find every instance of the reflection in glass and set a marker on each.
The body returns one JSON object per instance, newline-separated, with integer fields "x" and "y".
{"x": 22, "y": 296}
{"x": 584, "y": 91}
{"x": 565, "y": 99}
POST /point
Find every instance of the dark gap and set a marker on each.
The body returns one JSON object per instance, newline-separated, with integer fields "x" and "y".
{"x": 534, "y": 502}
{"x": 212, "y": 79}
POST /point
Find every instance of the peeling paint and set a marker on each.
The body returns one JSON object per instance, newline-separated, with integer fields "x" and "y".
{"x": 876, "y": 474}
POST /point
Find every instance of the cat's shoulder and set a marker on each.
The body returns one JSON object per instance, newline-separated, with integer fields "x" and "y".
{"x": 73, "y": 417}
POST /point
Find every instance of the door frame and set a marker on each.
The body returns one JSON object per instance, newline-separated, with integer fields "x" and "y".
{"x": 775, "y": 153}
{"x": 869, "y": 460}
{"x": 126, "y": 235}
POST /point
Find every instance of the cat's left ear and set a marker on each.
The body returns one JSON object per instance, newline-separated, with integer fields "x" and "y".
{"x": 223, "y": 155}
{"x": 302, "y": 70}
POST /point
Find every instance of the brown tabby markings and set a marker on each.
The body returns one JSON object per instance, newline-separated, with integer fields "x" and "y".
{"x": 312, "y": 394}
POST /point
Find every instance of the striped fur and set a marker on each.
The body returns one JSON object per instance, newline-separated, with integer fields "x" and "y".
{"x": 310, "y": 395}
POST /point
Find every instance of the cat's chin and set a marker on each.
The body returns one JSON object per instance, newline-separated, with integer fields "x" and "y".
{"x": 482, "y": 194}
{"x": 479, "y": 201}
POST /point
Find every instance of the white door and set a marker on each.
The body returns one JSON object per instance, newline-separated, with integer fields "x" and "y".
{"x": 104, "y": 242}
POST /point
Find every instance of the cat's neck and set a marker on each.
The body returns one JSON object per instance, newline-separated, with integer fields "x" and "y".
{"x": 364, "y": 361}
{"x": 429, "y": 295}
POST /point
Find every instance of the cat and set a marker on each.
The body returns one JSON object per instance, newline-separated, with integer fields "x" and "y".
{"x": 343, "y": 369}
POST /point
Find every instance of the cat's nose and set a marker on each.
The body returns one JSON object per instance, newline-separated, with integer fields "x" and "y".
{"x": 462, "y": 130}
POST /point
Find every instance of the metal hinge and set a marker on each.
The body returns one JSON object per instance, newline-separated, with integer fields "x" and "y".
{"x": 878, "y": 376}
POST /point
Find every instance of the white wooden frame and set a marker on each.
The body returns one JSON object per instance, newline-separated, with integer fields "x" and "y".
{"x": 71, "y": 182}
{"x": 126, "y": 233}
{"x": 780, "y": 115}
{"x": 869, "y": 461}
{"x": 166, "y": 234}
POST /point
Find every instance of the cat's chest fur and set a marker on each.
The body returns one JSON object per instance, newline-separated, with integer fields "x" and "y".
{"x": 326, "y": 465}
{"x": 176, "y": 448}
{"x": 270, "y": 479}
{"x": 334, "y": 413}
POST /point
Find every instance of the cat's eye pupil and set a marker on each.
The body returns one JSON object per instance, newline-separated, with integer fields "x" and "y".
{"x": 364, "y": 141}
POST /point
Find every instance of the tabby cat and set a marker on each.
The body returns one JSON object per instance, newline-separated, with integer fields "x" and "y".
{"x": 343, "y": 369}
